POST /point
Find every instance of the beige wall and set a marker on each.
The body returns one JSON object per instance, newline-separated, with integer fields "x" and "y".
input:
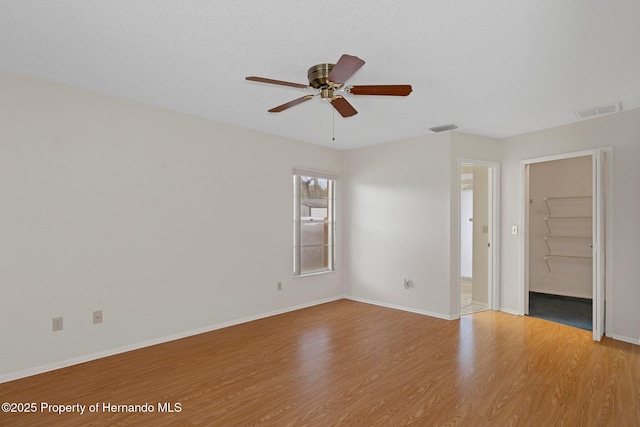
{"x": 166, "y": 222}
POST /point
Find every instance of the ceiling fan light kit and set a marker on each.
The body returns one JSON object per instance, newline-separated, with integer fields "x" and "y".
{"x": 328, "y": 81}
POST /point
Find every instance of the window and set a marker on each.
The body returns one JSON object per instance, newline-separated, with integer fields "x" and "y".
{"x": 314, "y": 219}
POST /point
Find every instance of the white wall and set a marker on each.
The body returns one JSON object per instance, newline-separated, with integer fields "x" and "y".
{"x": 397, "y": 216}
{"x": 401, "y": 216}
{"x": 166, "y": 222}
{"x": 622, "y": 132}
{"x": 148, "y": 215}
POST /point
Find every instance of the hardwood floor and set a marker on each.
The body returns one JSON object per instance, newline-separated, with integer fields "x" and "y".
{"x": 352, "y": 364}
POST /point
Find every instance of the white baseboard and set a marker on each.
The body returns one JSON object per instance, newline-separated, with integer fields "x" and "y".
{"x": 89, "y": 357}
{"x": 482, "y": 305}
{"x": 509, "y": 311}
{"x": 401, "y": 307}
{"x": 630, "y": 340}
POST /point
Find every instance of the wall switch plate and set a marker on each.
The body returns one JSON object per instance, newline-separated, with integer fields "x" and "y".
{"x": 56, "y": 324}
{"x": 97, "y": 317}
{"x": 514, "y": 230}
{"x": 279, "y": 286}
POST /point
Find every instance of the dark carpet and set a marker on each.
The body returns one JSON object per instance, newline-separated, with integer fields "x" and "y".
{"x": 576, "y": 312}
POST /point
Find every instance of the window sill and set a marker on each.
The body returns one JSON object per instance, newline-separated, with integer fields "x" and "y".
{"x": 315, "y": 273}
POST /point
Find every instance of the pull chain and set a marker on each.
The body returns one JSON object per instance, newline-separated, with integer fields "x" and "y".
{"x": 333, "y": 125}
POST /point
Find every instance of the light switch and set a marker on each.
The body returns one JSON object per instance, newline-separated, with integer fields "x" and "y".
{"x": 514, "y": 230}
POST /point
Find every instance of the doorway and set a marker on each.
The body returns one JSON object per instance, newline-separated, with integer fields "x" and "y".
{"x": 477, "y": 235}
{"x": 565, "y": 246}
{"x": 560, "y": 241}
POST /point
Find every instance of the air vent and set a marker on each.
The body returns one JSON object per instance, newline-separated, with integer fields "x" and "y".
{"x": 588, "y": 113}
{"x": 443, "y": 128}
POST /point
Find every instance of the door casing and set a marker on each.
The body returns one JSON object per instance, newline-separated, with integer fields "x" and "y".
{"x": 494, "y": 233}
{"x": 601, "y": 311}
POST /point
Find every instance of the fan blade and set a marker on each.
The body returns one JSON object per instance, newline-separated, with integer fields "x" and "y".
{"x": 276, "y": 82}
{"x": 343, "y": 107}
{"x": 346, "y": 66}
{"x": 385, "y": 90}
{"x": 291, "y": 104}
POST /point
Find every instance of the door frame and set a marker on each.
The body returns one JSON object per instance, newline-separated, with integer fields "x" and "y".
{"x": 494, "y": 232}
{"x": 600, "y": 281}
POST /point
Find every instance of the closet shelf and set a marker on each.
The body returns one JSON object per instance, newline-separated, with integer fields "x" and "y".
{"x": 550, "y": 236}
{"x": 570, "y": 216}
{"x": 568, "y": 198}
{"x": 566, "y": 239}
{"x": 553, "y": 257}
{"x": 561, "y": 217}
{"x": 566, "y": 217}
{"x": 567, "y": 256}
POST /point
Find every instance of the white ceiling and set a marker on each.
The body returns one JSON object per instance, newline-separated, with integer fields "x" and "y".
{"x": 494, "y": 67}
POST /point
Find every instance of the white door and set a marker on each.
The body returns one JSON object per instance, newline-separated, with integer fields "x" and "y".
{"x": 599, "y": 212}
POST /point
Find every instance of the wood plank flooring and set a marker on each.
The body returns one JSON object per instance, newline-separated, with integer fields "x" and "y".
{"x": 352, "y": 364}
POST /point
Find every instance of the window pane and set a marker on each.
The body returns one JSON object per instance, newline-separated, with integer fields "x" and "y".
{"x": 313, "y": 188}
{"x": 313, "y": 198}
{"x": 314, "y": 259}
{"x": 314, "y": 234}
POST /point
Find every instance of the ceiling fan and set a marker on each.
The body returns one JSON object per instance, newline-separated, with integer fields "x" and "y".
{"x": 328, "y": 81}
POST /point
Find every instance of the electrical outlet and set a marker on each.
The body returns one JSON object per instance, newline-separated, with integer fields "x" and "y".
{"x": 56, "y": 324}
{"x": 407, "y": 283}
{"x": 97, "y": 317}
{"x": 279, "y": 286}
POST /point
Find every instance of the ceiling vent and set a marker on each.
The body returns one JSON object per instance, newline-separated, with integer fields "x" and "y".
{"x": 602, "y": 110}
{"x": 443, "y": 128}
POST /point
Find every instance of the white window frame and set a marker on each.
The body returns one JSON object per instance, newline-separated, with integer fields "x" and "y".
{"x": 298, "y": 221}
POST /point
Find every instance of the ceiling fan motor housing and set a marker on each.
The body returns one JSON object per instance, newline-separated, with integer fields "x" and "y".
{"x": 319, "y": 79}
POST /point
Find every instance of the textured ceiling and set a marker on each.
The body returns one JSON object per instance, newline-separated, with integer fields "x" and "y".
{"x": 495, "y": 67}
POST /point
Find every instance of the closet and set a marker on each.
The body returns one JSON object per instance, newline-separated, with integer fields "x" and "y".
{"x": 560, "y": 240}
